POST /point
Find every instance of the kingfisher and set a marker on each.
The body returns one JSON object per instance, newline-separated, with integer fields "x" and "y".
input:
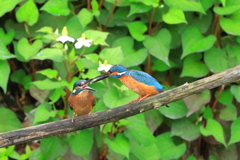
{"x": 138, "y": 81}
{"x": 81, "y": 99}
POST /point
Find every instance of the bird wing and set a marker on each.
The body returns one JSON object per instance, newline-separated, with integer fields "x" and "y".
{"x": 146, "y": 79}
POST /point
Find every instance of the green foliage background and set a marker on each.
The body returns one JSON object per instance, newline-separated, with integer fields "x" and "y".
{"x": 176, "y": 41}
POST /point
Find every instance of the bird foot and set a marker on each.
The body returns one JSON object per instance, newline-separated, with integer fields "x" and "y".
{"x": 144, "y": 97}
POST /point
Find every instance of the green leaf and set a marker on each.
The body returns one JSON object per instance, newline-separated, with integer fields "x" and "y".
{"x": 38, "y": 94}
{"x": 137, "y": 29}
{"x": 153, "y": 3}
{"x": 164, "y": 142}
{"x": 193, "y": 67}
{"x": 4, "y": 53}
{"x": 28, "y": 12}
{"x": 229, "y": 113}
{"x": 185, "y": 5}
{"x": 230, "y": 7}
{"x": 4, "y": 74}
{"x": 138, "y": 8}
{"x": 185, "y": 129}
{"x": 7, "y": 6}
{"x": 53, "y": 147}
{"x": 138, "y": 127}
{"x": 193, "y": 41}
{"x": 225, "y": 98}
{"x": 8, "y": 120}
{"x": 46, "y": 29}
{"x": 8, "y": 37}
{"x": 47, "y": 84}
{"x": 174, "y": 16}
{"x": 49, "y": 73}
{"x": 131, "y": 57}
{"x": 56, "y": 7}
{"x": 54, "y": 54}
{"x": 73, "y": 31}
{"x": 177, "y": 110}
{"x": 27, "y": 50}
{"x": 111, "y": 97}
{"x": 112, "y": 55}
{"x": 158, "y": 46}
{"x": 120, "y": 144}
{"x": 36, "y": 155}
{"x": 43, "y": 113}
{"x": 196, "y": 101}
{"x": 153, "y": 119}
{"x": 81, "y": 144}
{"x": 208, "y": 114}
{"x": 97, "y": 36}
{"x": 143, "y": 152}
{"x": 235, "y": 131}
{"x": 210, "y": 57}
{"x": 235, "y": 90}
{"x": 231, "y": 24}
{"x": 215, "y": 129}
{"x": 85, "y": 17}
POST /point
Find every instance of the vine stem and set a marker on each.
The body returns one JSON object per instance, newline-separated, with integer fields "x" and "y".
{"x": 110, "y": 15}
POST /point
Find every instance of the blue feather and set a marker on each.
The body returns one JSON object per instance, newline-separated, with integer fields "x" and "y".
{"x": 145, "y": 78}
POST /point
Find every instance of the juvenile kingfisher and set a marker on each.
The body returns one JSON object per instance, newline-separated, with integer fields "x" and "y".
{"x": 139, "y": 82}
{"x": 81, "y": 100}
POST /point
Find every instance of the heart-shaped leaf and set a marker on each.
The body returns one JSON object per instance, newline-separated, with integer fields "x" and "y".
{"x": 112, "y": 55}
{"x": 192, "y": 66}
{"x": 38, "y": 94}
{"x": 137, "y": 29}
{"x": 235, "y": 90}
{"x": 28, "y": 12}
{"x": 4, "y": 74}
{"x": 8, "y": 37}
{"x": 97, "y": 36}
{"x": 215, "y": 129}
{"x": 174, "y": 16}
{"x": 185, "y": 5}
{"x": 7, "y": 6}
{"x": 54, "y": 54}
{"x": 231, "y": 24}
{"x": 235, "y": 131}
{"x": 193, "y": 41}
{"x": 27, "y": 50}
{"x": 164, "y": 142}
{"x": 185, "y": 129}
{"x": 158, "y": 46}
{"x": 81, "y": 144}
{"x": 177, "y": 110}
{"x": 4, "y": 53}
{"x": 196, "y": 101}
{"x": 131, "y": 57}
{"x": 230, "y": 7}
{"x": 56, "y": 7}
{"x": 8, "y": 120}
{"x": 229, "y": 113}
{"x": 85, "y": 17}
{"x": 210, "y": 57}
{"x": 47, "y": 84}
{"x": 138, "y": 8}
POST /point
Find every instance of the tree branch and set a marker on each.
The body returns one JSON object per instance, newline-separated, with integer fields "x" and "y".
{"x": 115, "y": 114}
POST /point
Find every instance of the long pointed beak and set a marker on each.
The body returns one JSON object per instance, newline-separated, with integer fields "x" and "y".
{"x": 98, "y": 78}
{"x": 89, "y": 88}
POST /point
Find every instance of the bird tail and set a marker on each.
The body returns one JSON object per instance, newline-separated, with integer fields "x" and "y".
{"x": 167, "y": 105}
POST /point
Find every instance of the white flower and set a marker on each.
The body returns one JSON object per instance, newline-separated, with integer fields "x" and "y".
{"x": 104, "y": 67}
{"x": 82, "y": 42}
{"x": 64, "y": 39}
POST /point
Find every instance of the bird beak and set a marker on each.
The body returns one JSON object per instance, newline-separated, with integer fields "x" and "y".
{"x": 85, "y": 86}
{"x": 98, "y": 78}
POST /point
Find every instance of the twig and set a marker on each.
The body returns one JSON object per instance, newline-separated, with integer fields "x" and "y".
{"x": 115, "y": 114}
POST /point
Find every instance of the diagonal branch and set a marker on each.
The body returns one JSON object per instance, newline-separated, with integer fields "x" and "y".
{"x": 111, "y": 115}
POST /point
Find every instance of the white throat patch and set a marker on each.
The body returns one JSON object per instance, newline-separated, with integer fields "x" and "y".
{"x": 121, "y": 73}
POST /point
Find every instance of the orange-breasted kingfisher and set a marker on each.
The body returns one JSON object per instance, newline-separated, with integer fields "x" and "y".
{"x": 138, "y": 81}
{"x": 81, "y": 99}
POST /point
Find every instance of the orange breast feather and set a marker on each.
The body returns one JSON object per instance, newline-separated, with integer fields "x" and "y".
{"x": 138, "y": 87}
{"x": 82, "y": 103}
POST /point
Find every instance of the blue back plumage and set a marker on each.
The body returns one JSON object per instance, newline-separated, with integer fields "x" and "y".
{"x": 118, "y": 68}
{"x": 145, "y": 78}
